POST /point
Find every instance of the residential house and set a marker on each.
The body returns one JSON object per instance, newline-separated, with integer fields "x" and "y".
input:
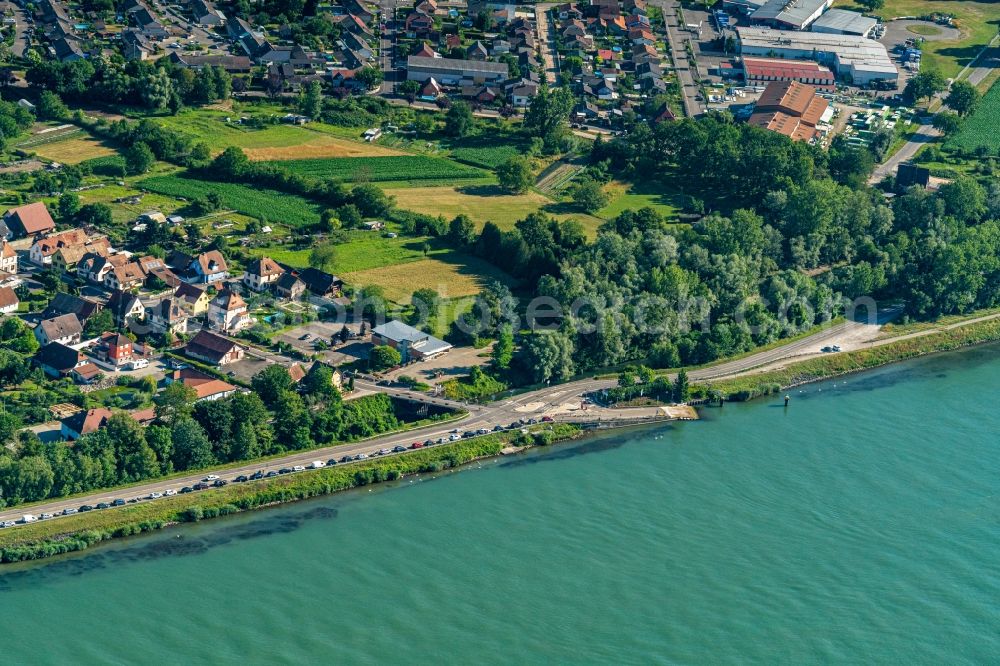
{"x": 135, "y": 45}
{"x": 31, "y": 220}
{"x": 9, "y": 301}
{"x": 57, "y": 360}
{"x": 641, "y": 36}
{"x": 94, "y": 266}
{"x": 125, "y": 277}
{"x": 477, "y": 51}
{"x": 64, "y": 329}
{"x": 262, "y": 273}
{"x": 8, "y": 257}
{"x": 205, "y": 13}
{"x": 85, "y": 422}
{"x": 114, "y": 349}
{"x": 228, "y": 312}
{"x": 209, "y": 267}
{"x": 67, "y": 49}
{"x": 522, "y": 93}
{"x": 63, "y": 303}
{"x": 206, "y": 387}
{"x": 425, "y": 51}
{"x": 431, "y": 90}
{"x": 214, "y": 349}
{"x": 42, "y": 249}
{"x": 411, "y": 343}
{"x": 194, "y": 298}
{"x": 289, "y": 286}
{"x": 86, "y": 373}
{"x": 321, "y": 283}
{"x": 125, "y": 307}
{"x": 156, "y": 270}
{"x": 168, "y": 317}
{"x": 417, "y": 24}
{"x": 66, "y": 258}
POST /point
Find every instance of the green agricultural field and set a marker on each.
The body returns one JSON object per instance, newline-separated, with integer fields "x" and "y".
{"x": 381, "y": 169}
{"x": 364, "y": 250}
{"x": 982, "y": 128}
{"x": 489, "y": 157}
{"x": 261, "y": 203}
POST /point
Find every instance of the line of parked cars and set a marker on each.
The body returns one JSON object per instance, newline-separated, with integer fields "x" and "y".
{"x": 215, "y": 481}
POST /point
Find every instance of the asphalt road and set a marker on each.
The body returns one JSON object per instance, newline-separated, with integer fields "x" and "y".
{"x": 924, "y": 135}
{"x": 676, "y": 40}
{"x": 526, "y": 405}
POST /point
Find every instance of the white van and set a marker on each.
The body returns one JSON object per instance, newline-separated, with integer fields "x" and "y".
{"x": 137, "y": 363}
{"x": 28, "y": 518}
{"x": 317, "y": 464}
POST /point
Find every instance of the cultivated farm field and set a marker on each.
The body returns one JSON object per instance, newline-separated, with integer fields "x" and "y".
{"x": 452, "y": 275}
{"x": 482, "y": 203}
{"x": 73, "y": 150}
{"x": 983, "y": 127}
{"x": 489, "y": 157}
{"x": 394, "y": 168}
{"x": 261, "y": 203}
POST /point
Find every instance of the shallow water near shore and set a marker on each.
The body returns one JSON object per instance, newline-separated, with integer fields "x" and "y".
{"x": 862, "y": 523}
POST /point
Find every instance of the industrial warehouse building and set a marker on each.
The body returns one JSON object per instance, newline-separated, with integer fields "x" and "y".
{"x": 452, "y": 72}
{"x": 765, "y": 70}
{"x": 843, "y": 22}
{"x": 789, "y": 14}
{"x": 860, "y": 60}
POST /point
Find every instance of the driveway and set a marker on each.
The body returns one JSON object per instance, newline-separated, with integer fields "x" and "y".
{"x": 924, "y": 135}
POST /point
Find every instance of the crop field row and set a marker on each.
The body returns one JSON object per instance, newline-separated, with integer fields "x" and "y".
{"x": 261, "y": 203}
{"x": 983, "y": 127}
{"x": 381, "y": 169}
{"x": 488, "y": 157}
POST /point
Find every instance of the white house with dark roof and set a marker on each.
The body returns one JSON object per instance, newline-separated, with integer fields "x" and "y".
{"x": 411, "y": 343}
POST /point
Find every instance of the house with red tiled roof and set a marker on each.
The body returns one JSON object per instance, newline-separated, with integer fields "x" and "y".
{"x": 30, "y": 220}
{"x": 228, "y": 312}
{"x": 205, "y": 386}
{"x": 9, "y": 301}
{"x": 8, "y": 257}
{"x": 84, "y": 422}
{"x": 262, "y": 273}
{"x": 209, "y": 267}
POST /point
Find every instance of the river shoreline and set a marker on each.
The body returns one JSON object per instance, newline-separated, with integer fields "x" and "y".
{"x": 98, "y": 527}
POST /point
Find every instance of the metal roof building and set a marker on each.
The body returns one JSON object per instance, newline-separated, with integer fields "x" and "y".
{"x": 790, "y": 14}
{"x": 856, "y": 58}
{"x": 451, "y": 71}
{"x": 844, "y": 22}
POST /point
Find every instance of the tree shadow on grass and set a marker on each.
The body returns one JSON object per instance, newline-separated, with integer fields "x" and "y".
{"x": 482, "y": 190}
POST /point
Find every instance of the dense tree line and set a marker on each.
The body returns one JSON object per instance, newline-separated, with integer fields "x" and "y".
{"x": 155, "y": 85}
{"x": 790, "y": 232}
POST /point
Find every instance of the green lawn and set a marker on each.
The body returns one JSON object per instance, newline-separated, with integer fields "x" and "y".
{"x": 363, "y": 251}
{"x": 637, "y": 196}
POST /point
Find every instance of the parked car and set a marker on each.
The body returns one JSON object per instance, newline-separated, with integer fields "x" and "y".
{"x": 361, "y": 456}
{"x": 138, "y": 363}
{"x": 201, "y": 486}
{"x": 241, "y": 478}
{"x": 307, "y": 336}
{"x": 45, "y": 516}
{"x": 187, "y": 489}
{"x": 257, "y": 475}
{"x": 118, "y": 502}
{"x": 546, "y": 419}
{"x": 331, "y": 461}
{"x": 398, "y": 449}
{"x": 416, "y": 445}
{"x": 211, "y": 477}
{"x": 170, "y": 492}
{"x": 285, "y": 470}
{"x": 103, "y": 505}
{"x": 298, "y": 468}
{"x": 346, "y": 459}
{"x": 220, "y": 483}
{"x": 68, "y": 512}
{"x": 271, "y": 474}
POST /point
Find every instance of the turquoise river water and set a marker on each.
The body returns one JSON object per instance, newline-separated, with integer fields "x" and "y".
{"x": 859, "y": 525}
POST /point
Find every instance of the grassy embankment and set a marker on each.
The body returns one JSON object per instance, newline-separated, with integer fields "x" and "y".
{"x": 764, "y": 383}
{"x": 45, "y": 539}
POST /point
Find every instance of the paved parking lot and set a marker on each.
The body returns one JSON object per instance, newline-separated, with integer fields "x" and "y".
{"x": 455, "y": 363}
{"x": 317, "y": 330}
